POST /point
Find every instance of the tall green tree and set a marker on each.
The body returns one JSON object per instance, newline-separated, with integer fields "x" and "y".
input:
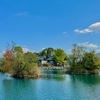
{"x": 18, "y": 49}
{"x": 76, "y": 56}
{"x": 19, "y": 64}
{"x": 91, "y": 61}
{"x": 2, "y": 62}
{"x": 81, "y": 61}
{"x": 32, "y": 58}
{"x": 75, "y": 59}
{"x": 59, "y": 56}
{"x": 25, "y": 64}
{"x": 47, "y": 52}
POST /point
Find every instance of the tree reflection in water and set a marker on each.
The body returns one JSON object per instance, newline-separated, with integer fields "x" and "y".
{"x": 57, "y": 74}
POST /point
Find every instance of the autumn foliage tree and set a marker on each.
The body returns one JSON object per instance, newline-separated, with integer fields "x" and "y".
{"x": 8, "y": 56}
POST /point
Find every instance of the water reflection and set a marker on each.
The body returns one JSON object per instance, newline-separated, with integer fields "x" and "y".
{"x": 87, "y": 79}
{"x": 57, "y": 74}
{"x": 56, "y": 86}
{"x": 85, "y": 87}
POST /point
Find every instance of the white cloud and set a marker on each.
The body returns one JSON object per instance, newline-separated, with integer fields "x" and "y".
{"x": 89, "y": 45}
{"x": 83, "y": 31}
{"x": 25, "y": 50}
{"x": 95, "y": 27}
{"x": 97, "y": 51}
{"x": 65, "y": 33}
{"x": 20, "y": 14}
{"x": 69, "y": 50}
{"x": 43, "y": 48}
{"x": 1, "y": 53}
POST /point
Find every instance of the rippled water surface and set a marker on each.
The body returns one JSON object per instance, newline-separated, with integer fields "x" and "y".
{"x": 51, "y": 87}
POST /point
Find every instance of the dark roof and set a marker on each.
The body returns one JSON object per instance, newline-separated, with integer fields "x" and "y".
{"x": 51, "y": 58}
{"x": 48, "y": 59}
{"x": 42, "y": 58}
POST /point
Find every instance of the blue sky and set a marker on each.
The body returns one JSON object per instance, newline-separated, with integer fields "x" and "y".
{"x": 38, "y": 24}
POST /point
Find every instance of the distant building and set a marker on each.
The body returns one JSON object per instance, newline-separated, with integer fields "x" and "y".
{"x": 42, "y": 60}
{"x": 51, "y": 61}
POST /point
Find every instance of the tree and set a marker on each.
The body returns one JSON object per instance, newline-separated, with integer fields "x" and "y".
{"x": 8, "y": 56}
{"x": 2, "y": 62}
{"x": 81, "y": 61}
{"x": 50, "y": 52}
{"x": 91, "y": 61}
{"x": 59, "y": 56}
{"x": 32, "y": 58}
{"x": 18, "y": 49}
{"x": 25, "y": 65}
{"x": 76, "y": 56}
{"x": 31, "y": 62}
{"x": 47, "y": 52}
{"x": 75, "y": 60}
{"x": 19, "y": 64}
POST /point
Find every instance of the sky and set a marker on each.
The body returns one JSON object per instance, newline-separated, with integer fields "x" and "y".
{"x": 38, "y": 24}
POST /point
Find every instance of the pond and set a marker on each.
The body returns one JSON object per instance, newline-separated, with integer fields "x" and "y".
{"x": 53, "y": 86}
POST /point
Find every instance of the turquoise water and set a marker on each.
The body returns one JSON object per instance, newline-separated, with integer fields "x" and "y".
{"x": 51, "y": 87}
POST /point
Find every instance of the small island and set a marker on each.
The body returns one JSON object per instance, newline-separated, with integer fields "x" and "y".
{"x": 18, "y": 63}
